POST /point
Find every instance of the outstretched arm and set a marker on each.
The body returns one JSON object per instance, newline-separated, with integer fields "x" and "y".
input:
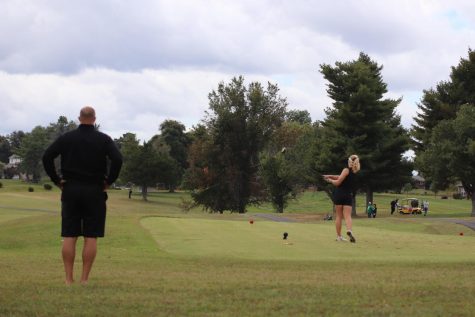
{"x": 331, "y": 176}
{"x": 339, "y": 179}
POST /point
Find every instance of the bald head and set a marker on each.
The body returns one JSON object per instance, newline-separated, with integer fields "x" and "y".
{"x": 87, "y": 115}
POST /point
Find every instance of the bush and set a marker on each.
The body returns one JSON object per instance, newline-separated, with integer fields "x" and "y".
{"x": 186, "y": 205}
{"x": 457, "y": 196}
{"x": 47, "y": 187}
{"x": 407, "y": 188}
{"x": 444, "y": 197}
{"x": 31, "y": 189}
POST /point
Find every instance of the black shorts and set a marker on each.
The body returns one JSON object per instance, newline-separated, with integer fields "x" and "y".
{"x": 83, "y": 210}
{"x": 342, "y": 197}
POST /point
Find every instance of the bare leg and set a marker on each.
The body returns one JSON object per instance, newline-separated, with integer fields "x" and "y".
{"x": 348, "y": 222}
{"x": 69, "y": 252}
{"x": 339, "y": 216}
{"x": 88, "y": 256}
{"x": 347, "y": 215}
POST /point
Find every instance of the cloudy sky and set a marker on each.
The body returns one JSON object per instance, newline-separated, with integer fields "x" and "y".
{"x": 141, "y": 62}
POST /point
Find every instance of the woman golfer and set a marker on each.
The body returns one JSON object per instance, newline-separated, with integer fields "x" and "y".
{"x": 342, "y": 196}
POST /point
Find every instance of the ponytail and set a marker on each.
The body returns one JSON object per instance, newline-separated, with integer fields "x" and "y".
{"x": 354, "y": 163}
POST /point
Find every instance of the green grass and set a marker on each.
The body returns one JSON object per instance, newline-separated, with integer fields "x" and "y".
{"x": 309, "y": 242}
{"x": 157, "y": 260}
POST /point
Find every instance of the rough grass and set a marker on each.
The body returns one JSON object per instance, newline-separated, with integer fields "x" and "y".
{"x": 158, "y": 261}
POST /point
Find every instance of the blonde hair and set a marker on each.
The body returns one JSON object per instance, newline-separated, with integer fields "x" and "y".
{"x": 354, "y": 163}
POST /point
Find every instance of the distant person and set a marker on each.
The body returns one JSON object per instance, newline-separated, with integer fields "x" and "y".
{"x": 370, "y": 210}
{"x": 343, "y": 194}
{"x": 393, "y": 205}
{"x": 83, "y": 181}
{"x": 414, "y": 203}
{"x": 425, "y": 207}
{"x": 130, "y": 192}
{"x": 375, "y": 210}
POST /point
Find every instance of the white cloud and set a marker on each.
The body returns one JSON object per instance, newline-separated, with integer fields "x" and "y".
{"x": 141, "y": 64}
{"x": 127, "y": 102}
{"x": 124, "y": 102}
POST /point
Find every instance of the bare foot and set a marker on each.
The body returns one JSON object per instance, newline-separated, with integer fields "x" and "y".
{"x": 68, "y": 282}
{"x": 84, "y": 282}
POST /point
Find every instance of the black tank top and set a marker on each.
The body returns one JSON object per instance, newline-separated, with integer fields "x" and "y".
{"x": 349, "y": 182}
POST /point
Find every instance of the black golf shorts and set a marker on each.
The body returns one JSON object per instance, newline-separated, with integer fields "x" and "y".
{"x": 342, "y": 197}
{"x": 83, "y": 210}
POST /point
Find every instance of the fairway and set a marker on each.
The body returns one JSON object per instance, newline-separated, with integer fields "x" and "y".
{"x": 157, "y": 260}
{"x": 307, "y": 242}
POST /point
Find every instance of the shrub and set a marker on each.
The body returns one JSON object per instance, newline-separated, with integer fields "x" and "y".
{"x": 407, "y": 188}
{"x": 457, "y": 196}
{"x": 186, "y": 205}
{"x": 47, "y": 187}
{"x": 31, "y": 189}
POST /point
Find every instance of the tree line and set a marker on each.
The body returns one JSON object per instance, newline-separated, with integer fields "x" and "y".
{"x": 250, "y": 148}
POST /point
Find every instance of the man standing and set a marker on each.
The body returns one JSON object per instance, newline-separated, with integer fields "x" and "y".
{"x": 425, "y": 207}
{"x": 83, "y": 181}
{"x": 393, "y": 205}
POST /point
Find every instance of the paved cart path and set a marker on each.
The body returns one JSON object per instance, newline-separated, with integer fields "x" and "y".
{"x": 467, "y": 223}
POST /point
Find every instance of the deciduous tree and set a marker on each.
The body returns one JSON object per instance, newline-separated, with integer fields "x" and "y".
{"x": 143, "y": 165}
{"x": 31, "y": 150}
{"x": 15, "y": 139}
{"x": 283, "y": 166}
{"x": 173, "y": 143}
{"x": 450, "y": 154}
{"x": 5, "y": 149}
{"x": 240, "y": 122}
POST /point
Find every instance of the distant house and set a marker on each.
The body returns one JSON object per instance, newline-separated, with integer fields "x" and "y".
{"x": 419, "y": 181}
{"x": 10, "y": 170}
{"x": 461, "y": 190}
{"x": 14, "y": 160}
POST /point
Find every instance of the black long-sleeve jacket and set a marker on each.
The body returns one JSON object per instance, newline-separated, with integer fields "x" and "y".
{"x": 84, "y": 153}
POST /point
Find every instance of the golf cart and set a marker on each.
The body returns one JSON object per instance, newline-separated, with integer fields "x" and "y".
{"x": 410, "y": 206}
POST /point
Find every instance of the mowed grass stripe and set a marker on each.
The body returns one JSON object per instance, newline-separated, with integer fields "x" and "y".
{"x": 307, "y": 242}
{"x": 7, "y": 215}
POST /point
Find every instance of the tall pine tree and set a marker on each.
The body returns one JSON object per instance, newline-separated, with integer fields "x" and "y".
{"x": 443, "y": 102}
{"x": 361, "y": 121}
{"x": 444, "y": 131}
